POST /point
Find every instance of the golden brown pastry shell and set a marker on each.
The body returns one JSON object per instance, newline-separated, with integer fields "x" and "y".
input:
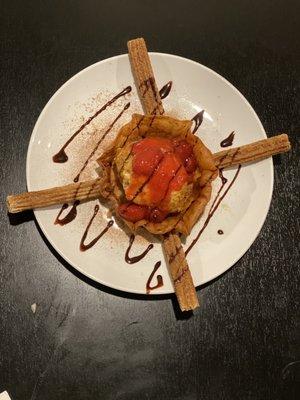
{"x": 142, "y": 126}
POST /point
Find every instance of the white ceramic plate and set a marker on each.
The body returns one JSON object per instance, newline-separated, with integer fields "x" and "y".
{"x": 195, "y": 87}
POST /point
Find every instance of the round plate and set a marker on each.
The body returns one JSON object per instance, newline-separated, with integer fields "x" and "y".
{"x": 195, "y": 87}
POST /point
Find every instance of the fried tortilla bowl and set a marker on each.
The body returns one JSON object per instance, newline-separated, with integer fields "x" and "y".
{"x": 143, "y": 126}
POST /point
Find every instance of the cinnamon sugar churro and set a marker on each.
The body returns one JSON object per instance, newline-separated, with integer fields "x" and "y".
{"x": 252, "y": 152}
{"x": 180, "y": 272}
{"x": 82, "y": 191}
{"x": 144, "y": 77}
{"x": 151, "y": 101}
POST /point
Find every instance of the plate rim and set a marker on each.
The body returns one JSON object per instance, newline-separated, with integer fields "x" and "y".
{"x": 36, "y": 212}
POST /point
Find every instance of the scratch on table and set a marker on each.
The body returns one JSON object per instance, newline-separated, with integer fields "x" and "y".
{"x": 65, "y": 316}
{"x": 286, "y": 370}
{"x": 52, "y": 298}
{"x": 133, "y": 323}
{"x": 42, "y": 375}
{"x": 60, "y": 310}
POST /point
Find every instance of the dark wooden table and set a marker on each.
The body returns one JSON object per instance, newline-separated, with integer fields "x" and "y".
{"x": 88, "y": 342}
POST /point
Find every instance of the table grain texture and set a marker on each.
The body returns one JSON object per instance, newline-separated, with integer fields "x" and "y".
{"x": 86, "y": 341}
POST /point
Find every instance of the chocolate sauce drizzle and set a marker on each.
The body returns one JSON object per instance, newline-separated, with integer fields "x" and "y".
{"x": 71, "y": 214}
{"x": 135, "y": 259}
{"x": 159, "y": 278}
{"x": 152, "y": 120}
{"x": 69, "y": 217}
{"x": 125, "y": 141}
{"x": 174, "y": 255}
{"x": 140, "y": 189}
{"x": 214, "y": 207}
{"x": 61, "y": 156}
{"x": 228, "y": 141}
{"x": 170, "y": 181}
{"x": 181, "y": 275}
{"x": 100, "y": 141}
{"x": 223, "y": 179}
{"x": 165, "y": 90}
{"x": 150, "y": 84}
{"x": 146, "y": 85}
{"x": 133, "y": 129}
{"x": 198, "y": 118}
{"x": 83, "y": 246}
{"x": 230, "y": 155}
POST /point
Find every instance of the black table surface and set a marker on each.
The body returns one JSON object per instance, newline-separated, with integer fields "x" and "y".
{"x": 89, "y": 342}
